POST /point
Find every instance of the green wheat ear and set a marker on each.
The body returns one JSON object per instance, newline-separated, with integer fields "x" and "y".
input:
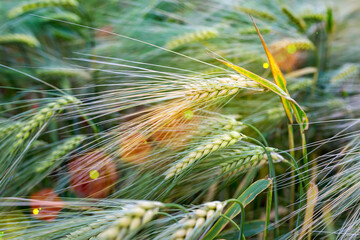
{"x": 30, "y": 6}
{"x": 58, "y": 72}
{"x": 59, "y": 152}
{"x": 41, "y": 118}
{"x": 297, "y": 21}
{"x": 63, "y": 15}
{"x": 16, "y": 38}
{"x": 187, "y": 38}
{"x": 256, "y": 13}
{"x": 214, "y": 144}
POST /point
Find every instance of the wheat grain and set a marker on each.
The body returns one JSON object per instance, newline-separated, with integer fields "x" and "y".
{"x": 214, "y": 144}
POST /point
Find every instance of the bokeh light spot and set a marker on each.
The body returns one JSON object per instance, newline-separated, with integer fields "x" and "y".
{"x": 266, "y": 65}
{"x": 36, "y": 211}
{"x": 94, "y": 174}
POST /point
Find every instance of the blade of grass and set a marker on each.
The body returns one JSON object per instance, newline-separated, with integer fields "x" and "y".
{"x": 248, "y": 196}
{"x": 280, "y": 81}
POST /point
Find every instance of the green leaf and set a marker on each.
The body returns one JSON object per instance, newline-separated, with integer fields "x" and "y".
{"x": 250, "y": 229}
{"x": 245, "y": 198}
{"x": 298, "y": 111}
{"x": 280, "y": 81}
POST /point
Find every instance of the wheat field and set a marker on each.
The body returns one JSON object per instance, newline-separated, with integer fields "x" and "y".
{"x": 179, "y": 119}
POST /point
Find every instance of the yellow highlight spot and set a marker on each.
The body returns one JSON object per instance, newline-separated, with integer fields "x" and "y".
{"x": 94, "y": 174}
{"x": 265, "y": 65}
{"x": 291, "y": 49}
{"x": 188, "y": 114}
{"x": 36, "y": 211}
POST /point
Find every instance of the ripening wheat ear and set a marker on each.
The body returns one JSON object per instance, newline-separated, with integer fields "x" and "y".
{"x": 29, "y": 6}
{"x": 16, "y": 38}
{"x": 131, "y": 219}
{"x": 211, "y": 145}
{"x": 220, "y": 87}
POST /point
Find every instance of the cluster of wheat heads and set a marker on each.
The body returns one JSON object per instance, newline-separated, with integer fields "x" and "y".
{"x": 136, "y": 142}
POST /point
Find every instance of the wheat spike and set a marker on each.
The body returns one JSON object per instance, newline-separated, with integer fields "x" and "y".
{"x": 256, "y": 13}
{"x": 197, "y": 36}
{"x": 299, "y": 22}
{"x": 29, "y": 6}
{"x": 41, "y": 117}
{"x": 197, "y": 219}
{"x": 29, "y": 40}
{"x": 55, "y": 73}
{"x": 296, "y": 44}
{"x": 252, "y": 30}
{"x": 248, "y": 157}
{"x": 345, "y": 72}
{"x": 9, "y": 128}
{"x": 59, "y": 152}
{"x": 220, "y": 87}
{"x": 63, "y": 15}
{"x": 131, "y": 219}
{"x": 214, "y": 144}
{"x": 313, "y": 17}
